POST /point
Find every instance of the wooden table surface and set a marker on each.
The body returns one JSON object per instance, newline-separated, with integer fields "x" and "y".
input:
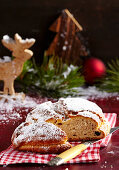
{"x": 109, "y": 155}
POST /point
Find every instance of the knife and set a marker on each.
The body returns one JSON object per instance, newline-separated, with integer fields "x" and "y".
{"x": 74, "y": 151}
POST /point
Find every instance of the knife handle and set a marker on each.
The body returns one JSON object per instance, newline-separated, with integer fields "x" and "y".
{"x": 68, "y": 154}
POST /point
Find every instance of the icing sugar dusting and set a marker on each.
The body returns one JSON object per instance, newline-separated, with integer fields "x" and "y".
{"x": 44, "y": 106}
{"x": 11, "y": 107}
{"x": 65, "y": 108}
{"x": 79, "y": 104}
{"x": 40, "y": 131}
{"x": 7, "y": 103}
{"x": 43, "y": 112}
{"x": 4, "y": 118}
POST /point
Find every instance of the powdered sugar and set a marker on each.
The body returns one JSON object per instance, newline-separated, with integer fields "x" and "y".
{"x": 7, "y": 103}
{"x": 6, "y": 117}
{"x": 40, "y": 131}
{"x": 12, "y": 106}
{"x": 37, "y": 130}
{"x": 79, "y": 104}
{"x": 43, "y": 112}
{"x": 43, "y": 107}
{"x": 65, "y": 108}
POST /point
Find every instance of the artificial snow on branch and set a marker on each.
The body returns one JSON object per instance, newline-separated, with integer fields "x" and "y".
{"x": 53, "y": 78}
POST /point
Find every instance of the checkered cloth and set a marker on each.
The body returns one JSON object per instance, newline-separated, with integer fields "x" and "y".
{"x": 91, "y": 154}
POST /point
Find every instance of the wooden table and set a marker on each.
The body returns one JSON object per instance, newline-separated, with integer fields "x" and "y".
{"x": 109, "y": 155}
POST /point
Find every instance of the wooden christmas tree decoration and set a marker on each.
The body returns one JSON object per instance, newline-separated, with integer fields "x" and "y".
{"x": 66, "y": 43}
{"x": 9, "y": 71}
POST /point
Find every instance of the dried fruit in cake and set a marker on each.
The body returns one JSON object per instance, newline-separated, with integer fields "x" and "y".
{"x": 84, "y": 119}
{"x": 79, "y": 118}
{"x": 49, "y": 125}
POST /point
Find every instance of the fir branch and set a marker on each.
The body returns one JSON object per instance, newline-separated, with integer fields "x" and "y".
{"x": 110, "y": 82}
{"x": 53, "y": 78}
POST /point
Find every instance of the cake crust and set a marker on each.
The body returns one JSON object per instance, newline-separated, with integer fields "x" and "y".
{"x": 72, "y": 112}
{"x": 45, "y": 149}
{"x": 50, "y": 125}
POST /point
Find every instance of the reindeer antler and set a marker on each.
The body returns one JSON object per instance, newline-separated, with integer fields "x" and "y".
{"x": 18, "y": 41}
{"x": 8, "y": 42}
{"x": 27, "y": 43}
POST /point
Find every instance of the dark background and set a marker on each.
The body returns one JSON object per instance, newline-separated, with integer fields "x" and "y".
{"x": 31, "y": 18}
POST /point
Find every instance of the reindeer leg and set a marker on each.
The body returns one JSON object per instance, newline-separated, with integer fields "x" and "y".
{"x": 11, "y": 87}
{"x": 5, "y": 90}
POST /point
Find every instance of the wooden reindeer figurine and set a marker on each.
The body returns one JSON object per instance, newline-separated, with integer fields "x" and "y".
{"x": 9, "y": 71}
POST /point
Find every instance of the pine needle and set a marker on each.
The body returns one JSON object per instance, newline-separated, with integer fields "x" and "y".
{"x": 52, "y": 79}
{"x": 110, "y": 82}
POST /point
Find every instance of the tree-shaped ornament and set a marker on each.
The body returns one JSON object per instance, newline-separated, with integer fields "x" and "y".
{"x": 66, "y": 43}
{"x": 9, "y": 71}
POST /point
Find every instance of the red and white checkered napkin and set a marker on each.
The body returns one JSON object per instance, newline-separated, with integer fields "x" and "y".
{"x": 91, "y": 154}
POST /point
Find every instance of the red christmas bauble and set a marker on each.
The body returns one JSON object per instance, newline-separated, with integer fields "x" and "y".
{"x": 93, "y": 68}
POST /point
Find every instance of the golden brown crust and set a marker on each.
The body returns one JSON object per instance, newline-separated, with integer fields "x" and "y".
{"x": 105, "y": 128}
{"x": 74, "y": 111}
{"x": 42, "y": 130}
{"x": 41, "y": 137}
{"x": 58, "y": 148}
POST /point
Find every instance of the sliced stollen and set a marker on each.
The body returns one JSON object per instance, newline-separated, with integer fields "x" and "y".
{"x": 79, "y": 118}
{"x": 40, "y": 137}
{"x": 84, "y": 126}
